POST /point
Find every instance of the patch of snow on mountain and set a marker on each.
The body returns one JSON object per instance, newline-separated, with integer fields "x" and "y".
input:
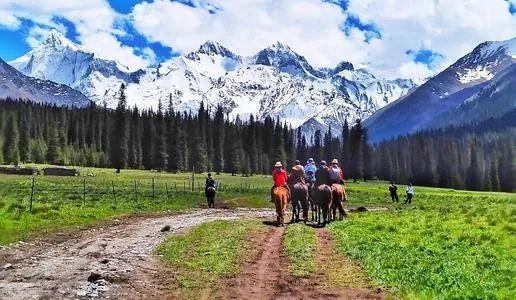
{"x": 471, "y": 75}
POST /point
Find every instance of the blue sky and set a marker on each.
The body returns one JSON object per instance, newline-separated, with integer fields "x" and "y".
{"x": 393, "y": 38}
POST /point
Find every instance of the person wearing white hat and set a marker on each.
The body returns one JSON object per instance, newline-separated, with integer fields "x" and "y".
{"x": 335, "y": 172}
{"x": 279, "y": 178}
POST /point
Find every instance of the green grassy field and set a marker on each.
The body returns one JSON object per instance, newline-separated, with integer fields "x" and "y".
{"x": 206, "y": 253}
{"x": 300, "y": 242}
{"x": 70, "y": 202}
{"x": 447, "y": 244}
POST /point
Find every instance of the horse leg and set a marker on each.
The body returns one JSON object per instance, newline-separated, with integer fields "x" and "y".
{"x": 342, "y": 212}
{"x": 293, "y": 210}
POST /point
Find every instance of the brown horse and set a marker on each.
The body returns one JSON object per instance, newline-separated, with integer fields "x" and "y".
{"x": 299, "y": 197}
{"x": 322, "y": 197}
{"x": 338, "y": 198}
{"x": 281, "y": 196}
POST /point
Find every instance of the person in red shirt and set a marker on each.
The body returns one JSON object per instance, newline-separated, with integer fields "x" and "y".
{"x": 279, "y": 178}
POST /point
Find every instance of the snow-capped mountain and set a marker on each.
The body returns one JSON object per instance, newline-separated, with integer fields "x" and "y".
{"x": 275, "y": 82}
{"x": 15, "y": 85}
{"x": 60, "y": 60}
{"x": 478, "y": 86}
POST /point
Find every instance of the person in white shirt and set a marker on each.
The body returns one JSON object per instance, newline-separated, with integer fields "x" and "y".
{"x": 410, "y": 193}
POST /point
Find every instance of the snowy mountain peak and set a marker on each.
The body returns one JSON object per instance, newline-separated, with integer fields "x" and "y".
{"x": 343, "y": 66}
{"x": 57, "y": 40}
{"x": 508, "y": 47}
{"x": 286, "y": 60}
{"x": 213, "y": 48}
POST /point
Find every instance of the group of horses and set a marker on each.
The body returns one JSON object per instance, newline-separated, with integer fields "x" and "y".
{"x": 323, "y": 200}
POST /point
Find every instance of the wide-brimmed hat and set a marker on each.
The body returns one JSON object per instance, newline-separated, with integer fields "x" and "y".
{"x": 311, "y": 160}
{"x": 323, "y": 163}
{"x": 297, "y": 162}
{"x": 278, "y": 165}
{"x": 335, "y": 161}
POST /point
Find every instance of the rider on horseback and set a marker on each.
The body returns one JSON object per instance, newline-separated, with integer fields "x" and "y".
{"x": 310, "y": 170}
{"x": 336, "y": 173}
{"x": 297, "y": 174}
{"x": 322, "y": 175}
{"x": 279, "y": 177}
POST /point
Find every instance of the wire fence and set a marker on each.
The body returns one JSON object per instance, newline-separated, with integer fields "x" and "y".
{"x": 85, "y": 191}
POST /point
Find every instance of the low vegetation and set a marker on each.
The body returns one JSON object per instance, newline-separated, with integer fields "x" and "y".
{"x": 206, "y": 253}
{"x": 67, "y": 202}
{"x": 448, "y": 244}
{"x": 300, "y": 243}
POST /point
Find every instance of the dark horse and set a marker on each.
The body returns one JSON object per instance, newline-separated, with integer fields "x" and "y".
{"x": 210, "y": 196}
{"x": 322, "y": 197}
{"x": 299, "y": 198}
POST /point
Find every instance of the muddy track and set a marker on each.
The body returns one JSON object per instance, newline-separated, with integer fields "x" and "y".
{"x": 264, "y": 273}
{"x": 117, "y": 257}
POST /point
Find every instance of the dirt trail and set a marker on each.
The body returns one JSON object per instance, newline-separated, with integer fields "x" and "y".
{"x": 120, "y": 255}
{"x": 264, "y": 274}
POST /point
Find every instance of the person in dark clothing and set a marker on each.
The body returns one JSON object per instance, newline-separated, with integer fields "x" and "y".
{"x": 322, "y": 175}
{"x": 393, "y": 189}
{"x": 210, "y": 189}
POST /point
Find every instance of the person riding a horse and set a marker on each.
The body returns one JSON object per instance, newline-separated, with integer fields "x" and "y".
{"x": 210, "y": 188}
{"x": 279, "y": 178}
{"x": 298, "y": 192}
{"x": 336, "y": 173}
{"x": 297, "y": 174}
{"x": 310, "y": 170}
{"x": 336, "y": 181}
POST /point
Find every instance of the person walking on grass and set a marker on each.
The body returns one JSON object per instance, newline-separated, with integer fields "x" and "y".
{"x": 393, "y": 190}
{"x": 410, "y": 193}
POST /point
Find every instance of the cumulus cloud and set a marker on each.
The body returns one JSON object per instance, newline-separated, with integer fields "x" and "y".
{"x": 314, "y": 29}
{"x": 324, "y": 32}
{"x": 94, "y": 21}
{"x": 448, "y": 27}
{"x": 311, "y": 27}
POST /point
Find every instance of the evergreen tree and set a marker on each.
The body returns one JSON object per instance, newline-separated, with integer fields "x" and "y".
{"x": 120, "y": 151}
{"x": 53, "y": 152}
{"x": 218, "y": 140}
{"x": 474, "y": 173}
{"x": 161, "y": 140}
{"x": 11, "y": 141}
{"x": 24, "y": 142}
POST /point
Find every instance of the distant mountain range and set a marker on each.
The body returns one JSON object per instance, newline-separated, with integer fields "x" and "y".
{"x": 479, "y": 86}
{"x": 276, "y": 82}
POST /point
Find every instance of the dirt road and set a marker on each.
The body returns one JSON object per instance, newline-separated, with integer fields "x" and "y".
{"x": 120, "y": 255}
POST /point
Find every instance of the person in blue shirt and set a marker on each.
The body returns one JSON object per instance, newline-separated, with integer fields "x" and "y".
{"x": 310, "y": 170}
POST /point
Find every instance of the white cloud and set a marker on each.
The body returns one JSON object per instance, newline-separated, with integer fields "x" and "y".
{"x": 449, "y": 27}
{"x": 312, "y": 28}
{"x": 94, "y": 21}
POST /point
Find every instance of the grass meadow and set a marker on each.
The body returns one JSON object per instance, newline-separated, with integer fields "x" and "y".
{"x": 446, "y": 244}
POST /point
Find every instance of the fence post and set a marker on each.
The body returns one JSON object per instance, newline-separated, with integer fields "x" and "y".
{"x": 193, "y": 178}
{"x": 84, "y": 191}
{"x": 113, "y": 188}
{"x": 135, "y": 192}
{"x": 32, "y": 194}
{"x": 184, "y": 186}
{"x": 166, "y": 190}
{"x": 153, "y": 189}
